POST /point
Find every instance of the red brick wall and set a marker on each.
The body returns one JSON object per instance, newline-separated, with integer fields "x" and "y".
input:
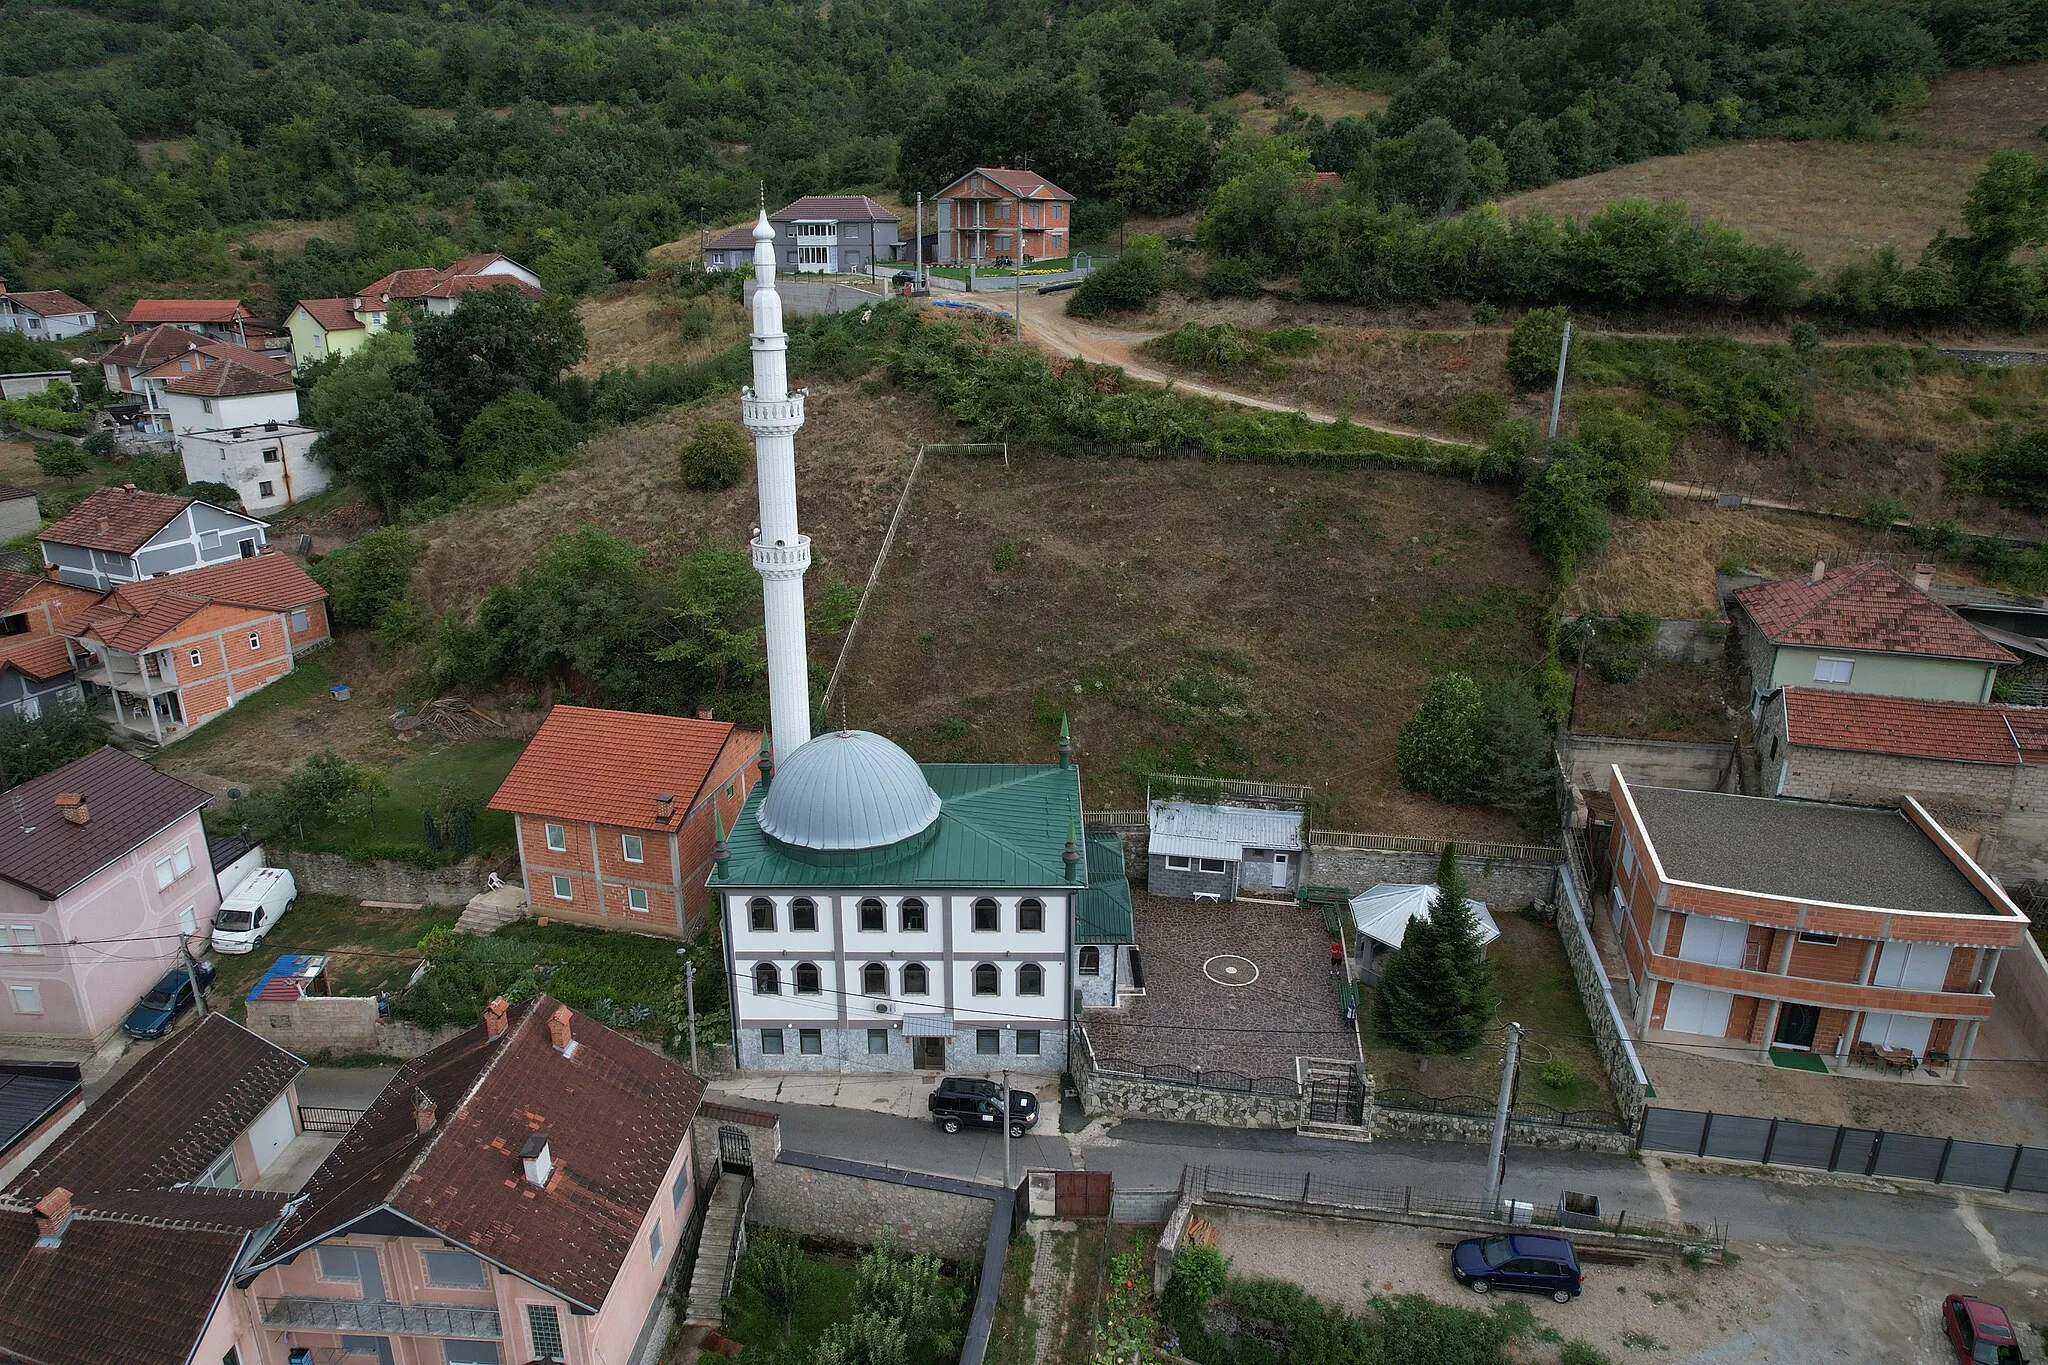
{"x": 1960, "y": 977}
{"x": 1841, "y": 961}
{"x": 316, "y": 626}
{"x": 1828, "y": 1032}
{"x": 736, "y": 765}
{"x": 1746, "y": 1017}
{"x": 1657, "y": 1003}
{"x": 204, "y": 700}
{"x": 1941, "y": 1036}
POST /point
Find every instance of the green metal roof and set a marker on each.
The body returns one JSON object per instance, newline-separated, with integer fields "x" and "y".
{"x": 1102, "y": 913}
{"x": 1000, "y": 824}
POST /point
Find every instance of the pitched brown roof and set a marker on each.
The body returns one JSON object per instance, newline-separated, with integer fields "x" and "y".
{"x": 644, "y": 757}
{"x": 401, "y": 284}
{"x": 1960, "y": 732}
{"x": 47, "y": 302}
{"x": 170, "y": 1117}
{"x": 186, "y": 310}
{"x": 135, "y": 616}
{"x": 838, "y": 208}
{"x": 614, "y": 1112}
{"x": 1864, "y": 607}
{"x": 8, "y": 492}
{"x": 132, "y": 1280}
{"x": 220, "y": 352}
{"x": 230, "y": 380}
{"x": 118, "y": 520}
{"x": 1023, "y": 184}
{"x": 739, "y": 238}
{"x": 15, "y": 585}
{"x": 333, "y": 315}
{"x": 271, "y": 580}
{"x": 455, "y": 286}
{"x": 149, "y": 348}
{"x": 41, "y": 657}
{"x": 128, "y": 802}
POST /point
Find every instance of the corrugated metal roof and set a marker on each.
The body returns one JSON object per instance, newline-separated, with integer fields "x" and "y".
{"x": 1102, "y": 913}
{"x": 1188, "y": 828}
{"x": 1384, "y": 913}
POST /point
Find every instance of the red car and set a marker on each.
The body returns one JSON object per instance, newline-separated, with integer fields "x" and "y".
{"x": 1980, "y": 1332}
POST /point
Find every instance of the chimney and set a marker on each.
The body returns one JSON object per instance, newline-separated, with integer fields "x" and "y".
{"x": 129, "y": 489}
{"x": 494, "y": 1018}
{"x": 558, "y": 1031}
{"x": 665, "y": 806}
{"x": 422, "y": 1111}
{"x": 1923, "y": 576}
{"x": 538, "y": 1160}
{"x": 53, "y": 1211}
{"x": 74, "y": 808}
{"x": 1820, "y": 571}
{"x": 704, "y": 713}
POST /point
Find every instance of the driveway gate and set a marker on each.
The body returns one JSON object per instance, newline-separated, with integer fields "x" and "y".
{"x": 1336, "y": 1099}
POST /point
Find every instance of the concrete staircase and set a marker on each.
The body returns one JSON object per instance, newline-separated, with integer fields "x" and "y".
{"x": 717, "y": 1249}
{"x": 490, "y": 911}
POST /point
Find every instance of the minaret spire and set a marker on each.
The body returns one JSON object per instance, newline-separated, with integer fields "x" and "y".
{"x": 781, "y": 553}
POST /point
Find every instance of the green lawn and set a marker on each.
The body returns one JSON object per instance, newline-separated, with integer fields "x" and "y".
{"x": 372, "y": 949}
{"x": 959, "y": 272}
{"x": 395, "y": 824}
{"x": 827, "y": 1298}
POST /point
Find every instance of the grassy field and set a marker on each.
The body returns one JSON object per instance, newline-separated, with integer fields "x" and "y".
{"x": 1671, "y": 699}
{"x": 1231, "y": 619}
{"x": 474, "y": 768}
{"x": 827, "y": 1298}
{"x": 372, "y": 950}
{"x": 1536, "y": 990}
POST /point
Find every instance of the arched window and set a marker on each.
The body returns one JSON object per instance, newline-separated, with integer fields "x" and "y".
{"x": 803, "y": 913}
{"x": 1031, "y": 979}
{"x": 912, "y": 911}
{"x": 874, "y": 979}
{"x": 871, "y": 921}
{"x": 1030, "y": 915}
{"x": 807, "y": 978}
{"x": 916, "y": 980}
{"x": 761, "y": 915}
{"x": 1091, "y": 962}
{"x": 987, "y": 981}
{"x": 987, "y": 916}
{"x": 767, "y": 980}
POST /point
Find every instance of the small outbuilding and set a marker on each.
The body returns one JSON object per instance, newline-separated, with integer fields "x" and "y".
{"x": 1382, "y": 915}
{"x": 1212, "y": 852}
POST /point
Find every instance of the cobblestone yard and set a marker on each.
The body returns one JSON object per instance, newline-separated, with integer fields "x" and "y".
{"x": 1283, "y": 1001}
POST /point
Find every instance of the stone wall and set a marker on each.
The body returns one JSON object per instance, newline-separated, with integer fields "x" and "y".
{"x": 1184, "y": 883}
{"x": 342, "y": 1024}
{"x": 333, "y": 875}
{"x": 1625, "y": 1074}
{"x": 1502, "y": 885}
{"x": 815, "y": 1197}
{"x": 1651, "y": 762}
{"x": 1412, "y": 1123}
{"x": 1116, "y": 1092}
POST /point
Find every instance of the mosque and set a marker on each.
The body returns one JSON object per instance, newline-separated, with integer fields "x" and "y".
{"x": 886, "y": 915}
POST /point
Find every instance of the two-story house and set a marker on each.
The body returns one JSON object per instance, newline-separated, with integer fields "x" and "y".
{"x": 167, "y": 654}
{"x": 321, "y": 328}
{"x": 102, "y": 851}
{"x": 616, "y": 813}
{"x": 517, "y": 1194}
{"x": 45, "y": 314}
{"x": 1842, "y": 931}
{"x": 122, "y": 535}
{"x": 270, "y": 466}
{"x": 144, "y": 363}
{"x": 882, "y": 915}
{"x": 224, "y": 397}
{"x": 994, "y": 211}
{"x": 35, "y": 662}
{"x": 215, "y": 319}
{"x": 438, "y": 292}
{"x": 825, "y": 233}
{"x": 1861, "y": 629}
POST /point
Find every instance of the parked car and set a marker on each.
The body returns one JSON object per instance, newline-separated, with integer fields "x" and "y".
{"x": 903, "y": 277}
{"x": 964, "y": 1102}
{"x": 259, "y": 902}
{"x": 1518, "y": 1260}
{"x": 1980, "y": 1333}
{"x": 170, "y": 997}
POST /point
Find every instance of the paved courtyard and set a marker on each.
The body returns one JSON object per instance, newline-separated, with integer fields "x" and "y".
{"x": 1243, "y": 987}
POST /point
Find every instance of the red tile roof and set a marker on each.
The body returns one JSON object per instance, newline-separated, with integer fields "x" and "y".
{"x": 1961, "y": 732}
{"x": 333, "y": 315}
{"x": 47, "y": 302}
{"x": 152, "y": 347}
{"x": 219, "y": 353}
{"x": 137, "y": 616}
{"x": 186, "y": 310}
{"x": 455, "y": 286}
{"x": 41, "y": 657}
{"x": 271, "y": 580}
{"x": 15, "y": 585}
{"x": 1023, "y": 184}
{"x": 230, "y": 380}
{"x": 451, "y": 282}
{"x": 401, "y": 284}
{"x": 609, "y": 766}
{"x": 1864, "y": 607}
{"x": 614, "y": 1112}
{"x": 118, "y": 520}
{"x": 170, "y": 1118}
{"x": 128, "y": 803}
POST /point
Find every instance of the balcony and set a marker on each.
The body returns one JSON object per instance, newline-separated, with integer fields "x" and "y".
{"x": 377, "y": 1317}
{"x": 1845, "y": 995}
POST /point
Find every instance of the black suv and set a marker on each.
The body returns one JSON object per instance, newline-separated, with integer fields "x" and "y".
{"x": 962, "y": 1102}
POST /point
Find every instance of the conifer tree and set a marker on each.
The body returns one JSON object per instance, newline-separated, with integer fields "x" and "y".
{"x": 1436, "y": 994}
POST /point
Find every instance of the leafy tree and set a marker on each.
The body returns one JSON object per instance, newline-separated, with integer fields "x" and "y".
{"x": 1428, "y": 166}
{"x": 864, "y": 1339}
{"x": 1198, "y": 1275}
{"x": 911, "y": 1292}
{"x": 773, "y": 1268}
{"x": 519, "y": 431}
{"x": 1533, "y": 344}
{"x": 322, "y": 790}
{"x": 1527, "y": 152}
{"x": 1130, "y": 281}
{"x": 366, "y": 576}
{"x": 496, "y": 343}
{"x": 1441, "y": 749}
{"x": 1564, "y": 510}
{"x": 390, "y": 448}
{"x": 2011, "y": 467}
{"x": 1163, "y": 162}
{"x": 1253, "y": 57}
{"x": 64, "y": 732}
{"x": 715, "y": 457}
{"x": 1436, "y": 992}
{"x": 61, "y": 459}
{"x": 207, "y": 490}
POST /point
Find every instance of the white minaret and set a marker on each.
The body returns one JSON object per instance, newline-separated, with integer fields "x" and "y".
{"x": 781, "y": 553}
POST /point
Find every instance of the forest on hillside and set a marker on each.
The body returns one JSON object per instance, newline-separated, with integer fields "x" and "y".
{"x": 139, "y": 138}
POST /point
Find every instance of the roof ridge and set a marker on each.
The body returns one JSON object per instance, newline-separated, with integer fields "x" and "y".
{"x": 499, "y": 1046}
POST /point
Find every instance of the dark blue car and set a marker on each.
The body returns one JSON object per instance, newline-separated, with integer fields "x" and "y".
{"x": 1518, "y": 1260}
{"x": 154, "y": 1014}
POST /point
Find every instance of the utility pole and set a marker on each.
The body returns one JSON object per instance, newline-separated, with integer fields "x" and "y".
{"x": 690, "y": 1001}
{"x": 1564, "y": 347}
{"x": 921, "y": 284}
{"x": 1008, "y": 1182}
{"x": 1497, "y": 1150}
{"x": 1017, "y": 286}
{"x": 192, "y": 977}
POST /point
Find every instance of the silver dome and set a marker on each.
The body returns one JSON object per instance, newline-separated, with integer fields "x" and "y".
{"x": 847, "y": 789}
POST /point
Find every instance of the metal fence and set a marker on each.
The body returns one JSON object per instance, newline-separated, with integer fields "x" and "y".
{"x": 1479, "y": 1107}
{"x": 1857, "y": 1151}
{"x": 333, "y": 1122}
{"x": 1236, "y": 1082}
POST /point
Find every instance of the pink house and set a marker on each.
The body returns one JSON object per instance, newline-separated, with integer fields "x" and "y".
{"x": 103, "y": 851}
{"x": 517, "y": 1194}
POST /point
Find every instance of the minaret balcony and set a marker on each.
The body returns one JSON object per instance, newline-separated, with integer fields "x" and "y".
{"x": 772, "y": 416}
{"x": 782, "y": 561}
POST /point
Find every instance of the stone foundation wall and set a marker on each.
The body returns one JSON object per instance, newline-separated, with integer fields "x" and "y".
{"x": 333, "y": 875}
{"x": 1504, "y": 886}
{"x": 1409, "y": 1123}
{"x": 846, "y": 1051}
{"x": 342, "y": 1024}
{"x": 1625, "y": 1075}
{"x": 1652, "y": 762}
{"x": 802, "y": 1194}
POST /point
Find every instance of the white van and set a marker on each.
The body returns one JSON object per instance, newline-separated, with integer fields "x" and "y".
{"x": 255, "y": 907}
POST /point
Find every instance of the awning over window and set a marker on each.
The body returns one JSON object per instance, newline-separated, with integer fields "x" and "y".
{"x": 927, "y": 1025}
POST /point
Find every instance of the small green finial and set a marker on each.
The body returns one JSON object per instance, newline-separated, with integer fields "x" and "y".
{"x": 1066, "y": 743}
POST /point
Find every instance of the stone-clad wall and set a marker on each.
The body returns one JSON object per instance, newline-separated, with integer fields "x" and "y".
{"x": 1411, "y": 1123}
{"x": 333, "y": 875}
{"x": 1113, "y": 1093}
{"x": 1504, "y": 887}
{"x": 845, "y": 1208}
{"x": 1624, "y": 1069}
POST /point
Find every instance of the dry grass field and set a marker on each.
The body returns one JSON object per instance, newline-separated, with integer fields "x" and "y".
{"x": 640, "y": 324}
{"x": 1236, "y": 619}
{"x": 1835, "y": 200}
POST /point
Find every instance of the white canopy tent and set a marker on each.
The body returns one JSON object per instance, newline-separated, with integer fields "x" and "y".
{"x": 1382, "y": 913}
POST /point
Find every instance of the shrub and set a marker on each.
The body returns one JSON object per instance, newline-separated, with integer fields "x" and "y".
{"x": 61, "y": 459}
{"x": 516, "y": 432}
{"x": 2012, "y": 467}
{"x": 715, "y": 457}
{"x": 1441, "y": 750}
{"x": 1564, "y": 513}
{"x": 1477, "y": 414}
{"x": 1533, "y": 345}
{"x": 207, "y": 490}
{"x": 365, "y": 577}
{"x": 1557, "y": 1074}
{"x": 1130, "y": 281}
{"x": 31, "y": 746}
{"x": 1197, "y": 1277}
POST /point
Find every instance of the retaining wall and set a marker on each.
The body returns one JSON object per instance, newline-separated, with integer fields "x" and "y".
{"x": 1697, "y": 766}
{"x": 807, "y": 1195}
{"x": 1625, "y": 1074}
{"x": 1503, "y": 886}
{"x": 342, "y": 1024}
{"x": 333, "y": 875}
{"x": 1110, "y": 1093}
{"x": 803, "y": 298}
{"x": 1411, "y": 1123}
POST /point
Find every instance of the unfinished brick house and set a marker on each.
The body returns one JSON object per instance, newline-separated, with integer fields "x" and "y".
{"x": 1856, "y": 934}
{"x": 616, "y": 814}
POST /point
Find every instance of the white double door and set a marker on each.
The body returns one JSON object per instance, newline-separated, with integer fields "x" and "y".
{"x": 1906, "y": 967}
{"x": 1714, "y": 943}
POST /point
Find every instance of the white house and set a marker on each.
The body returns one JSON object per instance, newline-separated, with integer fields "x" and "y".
{"x": 46, "y": 314}
{"x": 269, "y": 466}
{"x": 222, "y": 397}
{"x": 1214, "y": 852}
